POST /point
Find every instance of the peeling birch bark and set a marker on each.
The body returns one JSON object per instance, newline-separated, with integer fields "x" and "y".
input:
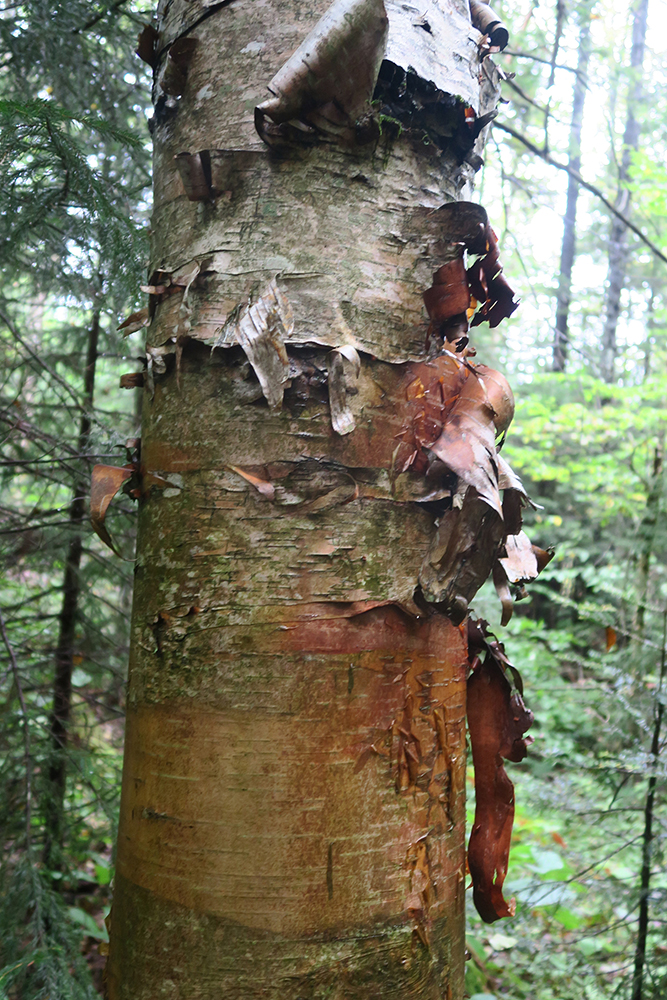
{"x": 293, "y": 794}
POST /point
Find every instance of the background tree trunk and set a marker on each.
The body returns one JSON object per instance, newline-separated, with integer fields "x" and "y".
{"x": 62, "y": 684}
{"x": 618, "y": 247}
{"x": 568, "y": 247}
{"x": 292, "y": 819}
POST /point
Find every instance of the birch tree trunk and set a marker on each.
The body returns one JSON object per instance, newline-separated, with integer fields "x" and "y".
{"x": 292, "y": 819}
{"x": 618, "y": 247}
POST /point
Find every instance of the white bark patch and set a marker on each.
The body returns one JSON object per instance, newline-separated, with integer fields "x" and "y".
{"x": 420, "y": 32}
{"x": 254, "y": 47}
{"x": 204, "y": 94}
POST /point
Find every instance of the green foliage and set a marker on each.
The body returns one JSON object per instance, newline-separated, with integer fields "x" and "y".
{"x": 40, "y": 945}
{"x": 587, "y": 453}
{"x": 56, "y": 206}
{"x": 73, "y": 199}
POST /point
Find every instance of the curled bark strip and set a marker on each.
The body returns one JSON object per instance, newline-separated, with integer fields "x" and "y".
{"x": 449, "y": 294}
{"x": 132, "y": 380}
{"x": 211, "y": 173}
{"x": 105, "y": 483}
{"x": 156, "y": 365}
{"x": 502, "y": 585}
{"x": 489, "y": 286}
{"x": 173, "y": 75}
{"x": 147, "y": 43}
{"x": 508, "y": 479}
{"x": 344, "y": 368}
{"x": 261, "y": 330}
{"x": 455, "y": 291}
{"x": 420, "y": 33}
{"x": 543, "y": 556}
{"x": 497, "y": 720}
{"x": 513, "y": 503}
{"x": 136, "y": 321}
{"x": 488, "y": 22}
{"x": 334, "y": 68}
{"x": 520, "y": 561}
{"x": 467, "y": 443}
{"x": 193, "y": 174}
{"x": 267, "y": 489}
{"x": 463, "y": 222}
{"x": 461, "y": 555}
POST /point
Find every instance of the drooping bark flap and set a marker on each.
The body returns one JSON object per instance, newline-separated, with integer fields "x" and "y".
{"x": 329, "y": 80}
{"x": 497, "y": 721}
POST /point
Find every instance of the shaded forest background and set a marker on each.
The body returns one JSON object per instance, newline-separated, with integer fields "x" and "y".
{"x": 586, "y": 97}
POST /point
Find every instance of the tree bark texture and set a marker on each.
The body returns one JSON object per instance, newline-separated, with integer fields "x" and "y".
{"x": 618, "y": 247}
{"x": 569, "y": 244}
{"x": 62, "y": 683}
{"x": 292, "y": 818}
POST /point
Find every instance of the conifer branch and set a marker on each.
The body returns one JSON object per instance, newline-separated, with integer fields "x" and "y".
{"x": 26, "y": 731}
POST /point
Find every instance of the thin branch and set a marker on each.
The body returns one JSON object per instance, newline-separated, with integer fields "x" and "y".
{"x": 547, "y": 62}
{"x": 35, "y": 356}
{"x": 524, "y": 96}
{"x": 585, "y": 184}
{"x": 98, "y": 17}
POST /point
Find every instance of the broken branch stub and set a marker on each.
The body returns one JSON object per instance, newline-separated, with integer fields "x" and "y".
{"x": 334, "y": 68}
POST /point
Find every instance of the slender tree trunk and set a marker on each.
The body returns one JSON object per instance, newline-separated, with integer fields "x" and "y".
{"x": 647, "y": 533}
{"x": 568, "y": 247}
{"x": 62, "y": 685}
{"x": 648, "y": 835}
{"x": 618, "y": 247}
{"x": 292, "y": 814}
{"x": 650, "y": 329}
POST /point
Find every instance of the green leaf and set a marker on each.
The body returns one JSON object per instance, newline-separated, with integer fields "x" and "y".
{"x": 102, "y": 874}
{"x": 79, "y": 916}
{"x": 588, "y": 946}
{"x": 568, "y": 918}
